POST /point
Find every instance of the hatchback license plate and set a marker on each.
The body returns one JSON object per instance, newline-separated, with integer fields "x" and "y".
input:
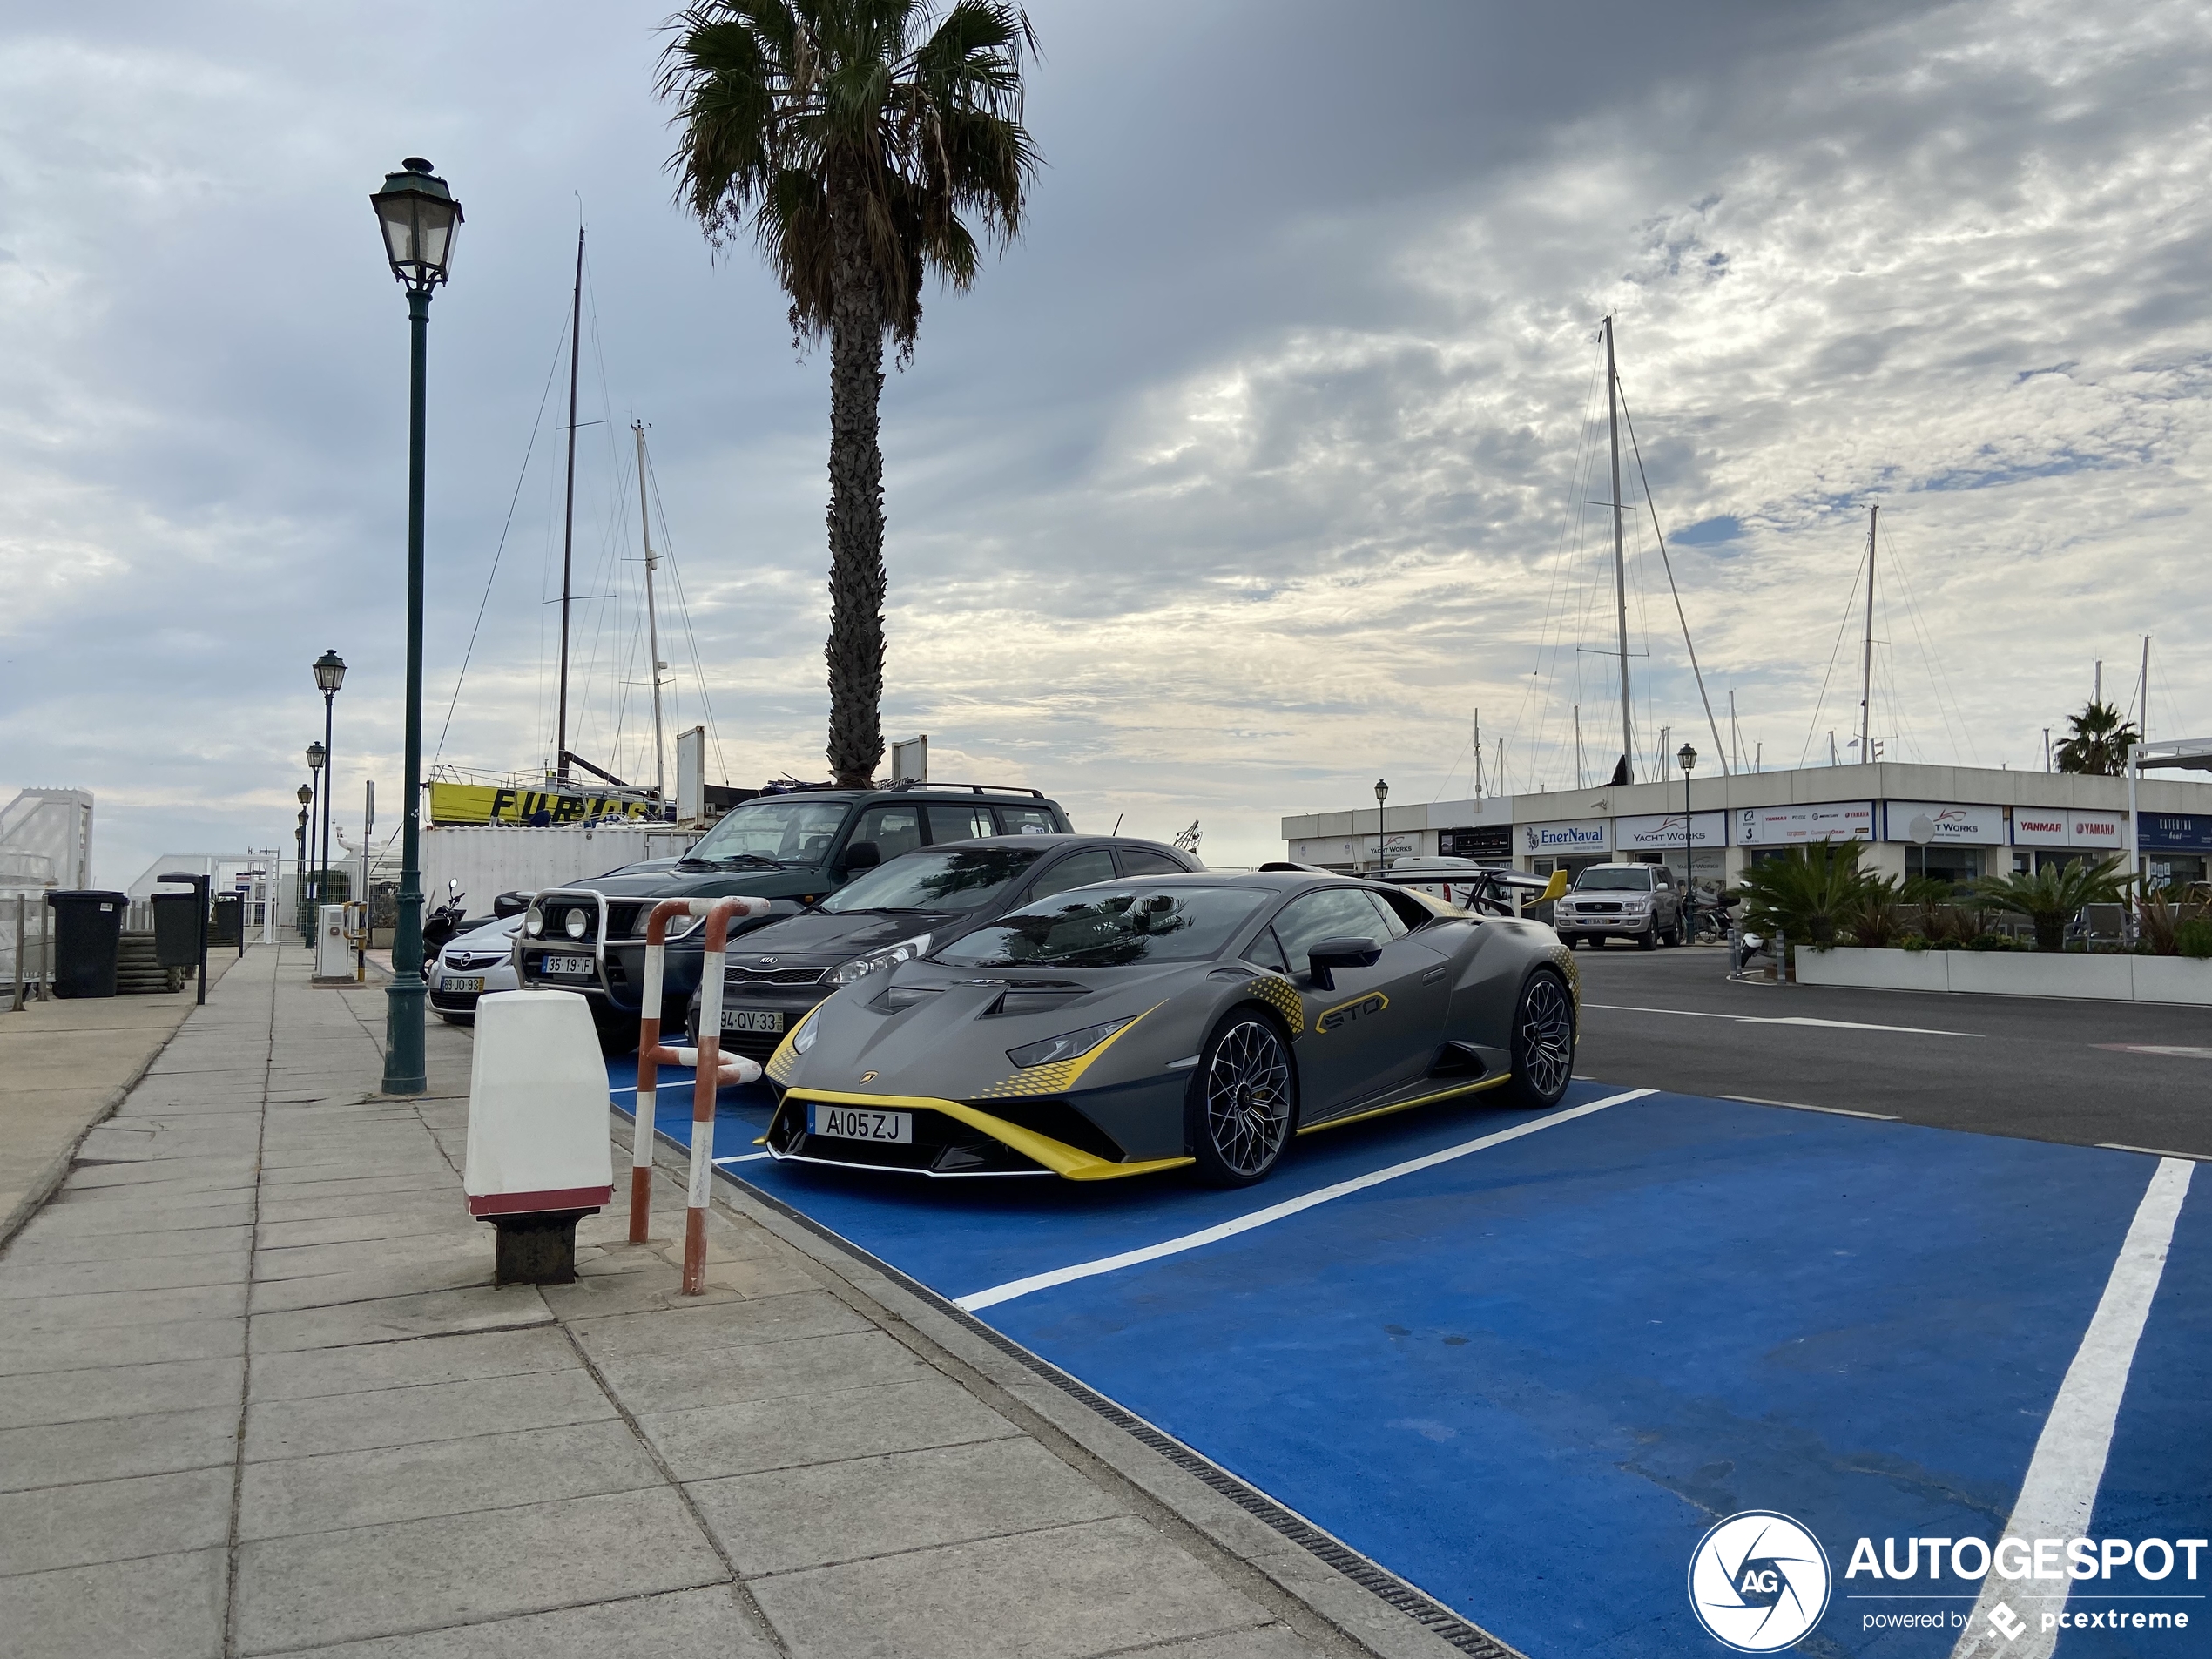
{"x": 574, "y": 967}
{"x": 858, "y": 1124}
{"x": 457, "y": 983}
{"x": 768, "y": 1020}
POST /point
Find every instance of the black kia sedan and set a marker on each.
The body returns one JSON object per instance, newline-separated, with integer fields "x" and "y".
{"x": 916, "y": 903}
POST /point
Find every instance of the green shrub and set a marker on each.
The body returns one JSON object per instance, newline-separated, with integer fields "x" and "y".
{"x": 1912, "y": 941}
{"x": 2055, "y": 893}
{"x": 1990, "y": 941}
{"x": 2193, "y": 938}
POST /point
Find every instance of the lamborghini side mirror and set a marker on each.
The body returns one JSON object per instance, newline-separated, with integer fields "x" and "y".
{"x": 1329, "y": 954}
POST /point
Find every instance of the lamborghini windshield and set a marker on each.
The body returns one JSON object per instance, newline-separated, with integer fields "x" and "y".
{"x": 1112, "y": 926}
{"x": 952, "y": 878}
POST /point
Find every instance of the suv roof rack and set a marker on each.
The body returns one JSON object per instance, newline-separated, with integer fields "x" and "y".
{"x": 973, "y": 789}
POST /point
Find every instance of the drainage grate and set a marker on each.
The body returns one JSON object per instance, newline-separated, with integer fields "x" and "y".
{"x": 1430, "y": 1614}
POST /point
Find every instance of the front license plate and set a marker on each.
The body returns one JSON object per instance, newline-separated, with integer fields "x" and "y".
{"x": 459, "y": 982}
{"x": 768, "y": 1020}
{"x": 576, "y": 966}
{"x": 860, "y": 1123}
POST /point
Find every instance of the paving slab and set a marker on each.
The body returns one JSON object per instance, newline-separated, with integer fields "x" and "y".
{"x": 451, "y": 1270}
{"x": 425, "y": 1412}
{"x": 114, "y": 1520}
{"x": 488, "y": 1308}
{"x": 670, "y": 1382}
{"x": 168, "y": 1607}
{"x": 687, "y": 1624}
{"x": 756, "y": 1436}
{"x": 122, "y": 1344}
{"x": 313, "y": 1373}
{"x": 321, "y": 1587}
{"x": 40, "y": 1246}
{"x": 87, "y": 1310}
{"x": 738, "y": 1324}
{"x": 162, "y": 1272}
{"x": 84, "y": 1395}
{"x": 448, "y": 1477}
{"x": 112, "y": 1448}
{"x": 827, "y": 1512}
{"x": 1094, "y": 1588}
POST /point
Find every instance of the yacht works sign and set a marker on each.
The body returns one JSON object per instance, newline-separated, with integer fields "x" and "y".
{"x": 482, "y": 804}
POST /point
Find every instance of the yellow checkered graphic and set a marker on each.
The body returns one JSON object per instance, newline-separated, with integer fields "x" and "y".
{"x": 1283, "y": 997}
{"x": 1563, "y": 959}
{"x": 785, "y": 1061}
{"x": 1035, "y": 1080}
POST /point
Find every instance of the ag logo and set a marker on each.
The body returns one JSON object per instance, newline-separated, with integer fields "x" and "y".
{"x": 1759, "y": 1581}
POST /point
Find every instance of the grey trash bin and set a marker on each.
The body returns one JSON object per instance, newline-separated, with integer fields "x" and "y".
{"x": 87, "y": 931}
{"x": 176, "y": 929}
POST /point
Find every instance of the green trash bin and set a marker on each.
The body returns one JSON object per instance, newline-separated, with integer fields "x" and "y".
{"x": 176, "y": 929}
{"x": 88, "y": 933}
{"x": 227, "y": 919}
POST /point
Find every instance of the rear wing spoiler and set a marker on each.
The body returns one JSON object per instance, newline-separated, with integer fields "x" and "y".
{"x": 1492, "y": 892}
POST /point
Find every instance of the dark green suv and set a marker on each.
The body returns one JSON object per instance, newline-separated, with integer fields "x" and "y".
{"x": 790, "y": 848}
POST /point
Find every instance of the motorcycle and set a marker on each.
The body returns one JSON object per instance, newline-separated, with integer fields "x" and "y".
{"x": 442, "y": 923}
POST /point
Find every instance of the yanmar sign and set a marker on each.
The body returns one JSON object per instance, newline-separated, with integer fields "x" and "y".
{"x": 2056, "y": 827}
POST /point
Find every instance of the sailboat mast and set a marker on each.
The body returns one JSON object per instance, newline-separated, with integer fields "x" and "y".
{"x": 2142, "y": 698}
{"x": 1620, "y": 552}
{"x": 568, "y": 523}
{"x": 1866, "y": 675}
{"x": 652, "y": 616}
{"x": 1579, "y": 782}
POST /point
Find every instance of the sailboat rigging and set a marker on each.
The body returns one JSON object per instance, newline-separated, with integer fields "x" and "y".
{"x": 568, "y": 521}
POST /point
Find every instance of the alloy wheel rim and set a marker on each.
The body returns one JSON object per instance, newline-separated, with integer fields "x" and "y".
{"x": 1248, "y": 1097}
{"x": 1546, "y": 1036}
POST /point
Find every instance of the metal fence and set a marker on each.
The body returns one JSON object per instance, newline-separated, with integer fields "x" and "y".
{"x": 26, "y": 946}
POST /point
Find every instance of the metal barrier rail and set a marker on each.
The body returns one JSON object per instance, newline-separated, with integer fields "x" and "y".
{"x": 708, "y": 1063}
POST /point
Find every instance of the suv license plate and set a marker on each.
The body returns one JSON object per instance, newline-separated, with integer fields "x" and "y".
{"x": 457, "y": 983}
{"x": 768, "y": 1020}
{"x": 858, "y": 1124}
{"x": 576, "y": 967}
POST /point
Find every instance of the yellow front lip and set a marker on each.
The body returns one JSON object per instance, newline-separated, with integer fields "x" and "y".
{"x": 1063, "y": 1160}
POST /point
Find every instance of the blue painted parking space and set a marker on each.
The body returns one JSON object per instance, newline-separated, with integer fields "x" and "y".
{"x": 1529, "y": 1378}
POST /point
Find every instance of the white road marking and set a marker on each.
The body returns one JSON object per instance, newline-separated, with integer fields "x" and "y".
{"x": 2153, "y": 1047}
{"x": 2154, "y": 1151}
{"x": 1782, "y": 1019}
{"x": 743, "y": 1158}
{"x": 1014, "y": 1288}
{"x": 2061, "y": 1489}
{"x": 1799, "y": 1106}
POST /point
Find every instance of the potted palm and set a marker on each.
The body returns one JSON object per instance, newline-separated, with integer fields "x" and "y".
{"x": 2056, "y": 894}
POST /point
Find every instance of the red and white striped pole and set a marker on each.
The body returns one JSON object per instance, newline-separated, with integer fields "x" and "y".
{"x": 708, "y": 1060}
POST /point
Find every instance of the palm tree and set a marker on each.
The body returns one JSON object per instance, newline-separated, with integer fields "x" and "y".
{"x": 2100, "y": 744}
{"x": 850, "y": 137}
{"x": 2055, "y": 893}
{"x": 1802, "y": 893}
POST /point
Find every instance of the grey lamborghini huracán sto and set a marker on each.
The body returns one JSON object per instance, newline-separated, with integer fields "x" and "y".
{"x": 1141, "y": 1025}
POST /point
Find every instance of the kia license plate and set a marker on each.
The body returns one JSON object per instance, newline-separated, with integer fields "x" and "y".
{"x": 574, "y": 967}
{"x": 860, "y": 1123}
{"x": 457, "y": 983}
{"x": 768, "y": 1020}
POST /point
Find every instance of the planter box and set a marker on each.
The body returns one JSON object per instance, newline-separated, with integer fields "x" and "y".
{"x": 2112, "y": 979}
{"x": 1885, "y": 970}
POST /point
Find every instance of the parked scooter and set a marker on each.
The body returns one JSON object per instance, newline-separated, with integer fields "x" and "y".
{"x": 442, "y": 923}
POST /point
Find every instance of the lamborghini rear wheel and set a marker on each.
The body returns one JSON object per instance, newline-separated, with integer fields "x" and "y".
{"x": 1243, "y": 1101}
{"x": 1543, "y": 1040}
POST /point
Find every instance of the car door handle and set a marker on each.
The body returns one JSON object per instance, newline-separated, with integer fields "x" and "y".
{"x": 1435, "y": 974}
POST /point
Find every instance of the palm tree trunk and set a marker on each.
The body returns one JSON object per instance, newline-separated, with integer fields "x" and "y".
{"x": 857, "y": 582}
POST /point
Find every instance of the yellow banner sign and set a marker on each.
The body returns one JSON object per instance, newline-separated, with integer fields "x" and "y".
{"x": 481, "y": 804}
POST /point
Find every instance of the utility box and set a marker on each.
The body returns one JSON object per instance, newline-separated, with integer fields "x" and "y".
{"x": 333, "y": 949}
{"x": 539, "y": 1155}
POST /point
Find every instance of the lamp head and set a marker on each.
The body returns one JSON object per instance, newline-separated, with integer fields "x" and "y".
{"x": 1687, "y": 757}
{"x": 1382, "y": 791}
{"x": 418, "y": 217}
{"x": 305, "y": 795}
{"x": 316, "y": 753}
{"x": 330, "y": 673}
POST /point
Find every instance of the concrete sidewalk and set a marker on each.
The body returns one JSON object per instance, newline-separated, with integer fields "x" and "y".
{"x": 66, "y": 1064}
{"x": 259, "y": 1397}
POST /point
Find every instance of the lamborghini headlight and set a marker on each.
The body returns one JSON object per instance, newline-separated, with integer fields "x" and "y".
{"x": 890, "y": 956}
{"x": 1073, "y": 1045}
{"x": 803, "y": 1039}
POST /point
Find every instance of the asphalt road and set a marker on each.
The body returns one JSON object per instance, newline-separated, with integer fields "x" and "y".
{"x": 2034, "y": 1067}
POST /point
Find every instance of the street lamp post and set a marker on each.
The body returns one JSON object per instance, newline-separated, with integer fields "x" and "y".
{"x": 330, "y": 674}
{"x": 316, "y": 755}
{"x": 1382, "y": 794}
{"x": 418, "y": 217}
{"x": 299, "y": 879}
{"x": 1688, "y": 759}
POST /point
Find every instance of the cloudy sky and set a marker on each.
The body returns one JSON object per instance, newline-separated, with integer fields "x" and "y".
{"x": 1255, "y": 470}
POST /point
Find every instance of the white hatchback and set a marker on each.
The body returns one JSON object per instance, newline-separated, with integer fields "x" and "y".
{"x": 472, "y": 965}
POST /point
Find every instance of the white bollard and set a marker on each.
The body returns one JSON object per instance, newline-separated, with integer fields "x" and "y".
{"x": 538, "y": 1156}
